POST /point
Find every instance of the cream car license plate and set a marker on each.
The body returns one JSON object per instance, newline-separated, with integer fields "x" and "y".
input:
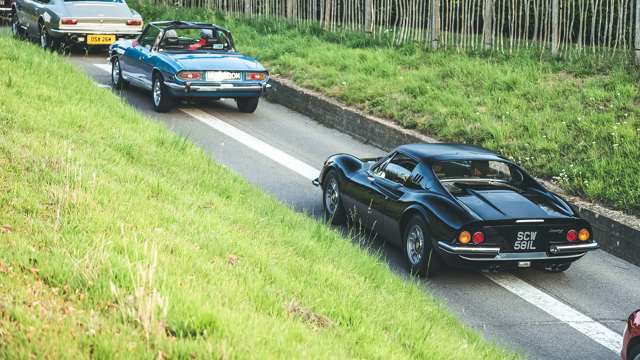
{"x": 222, "y": 75}
{"x": 101, "y": 39}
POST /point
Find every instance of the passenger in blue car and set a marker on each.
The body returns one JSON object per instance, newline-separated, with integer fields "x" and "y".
{"x": 206, "y": 36}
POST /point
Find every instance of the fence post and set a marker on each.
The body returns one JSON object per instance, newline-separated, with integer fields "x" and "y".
{"x": 327, "y": 14}
{"x": 637, "y": 39}
{"x": 435, "y": 23}
{"x": 555, "y": 27}
{"x": 290, "y": 9}
{"x": 368, "y": 15}
{"x": 487, "y": 24}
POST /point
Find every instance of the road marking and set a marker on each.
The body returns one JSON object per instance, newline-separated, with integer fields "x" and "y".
{"x": 104, "y": 86}
{"x": 103, "y": 67}
{"x": 559, "y": 310}
{"x": 256, "y": 144}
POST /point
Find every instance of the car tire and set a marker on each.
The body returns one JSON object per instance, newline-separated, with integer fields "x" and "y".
{"x": 117, "y": 81}
{"x": 16, "y": 29}
{"x": 422, "y": 259}
{"x": 160, "y": 96}
{"x": 247, "y": 104}
{"x": 556, "y": 268}
{"x": 46, "y": 42}
{"x": 64, "y": 48}
{"x": 332, "y": 206}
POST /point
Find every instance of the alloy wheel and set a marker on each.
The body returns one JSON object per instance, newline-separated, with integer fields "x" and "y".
{"x": 115, "y": 73}
{"x": 332, "y": 196}
{"x": 157, "y": 92}
{"x": 14, "y": 23}
{"x": 415, "y": 244}
{"x": 44, "y": 38}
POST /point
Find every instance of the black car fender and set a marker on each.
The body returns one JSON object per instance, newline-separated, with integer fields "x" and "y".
{"x": 344, "y": 164}
{"x": 412, "y": 210}
{"x": 443, "y": 216}
{"x": 437, "y": 229}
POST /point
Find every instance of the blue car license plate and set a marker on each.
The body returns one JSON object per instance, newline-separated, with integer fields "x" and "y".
{"x": 222, "y": 75}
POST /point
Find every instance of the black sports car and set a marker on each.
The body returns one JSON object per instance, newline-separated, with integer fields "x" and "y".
{"x": 457, "y": 205}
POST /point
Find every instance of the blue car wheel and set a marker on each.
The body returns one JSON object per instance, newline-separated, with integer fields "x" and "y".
{"x": 247, "y": 104}
{"x": 162, "y": 100}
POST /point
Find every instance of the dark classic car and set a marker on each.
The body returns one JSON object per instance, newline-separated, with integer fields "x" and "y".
{"x": 176, "y": 59}
{"x": 74, "y": 22}
{"x": 5, "y": 10}
{"x": 631, "y": 340}
{"x": 450, "y": 204}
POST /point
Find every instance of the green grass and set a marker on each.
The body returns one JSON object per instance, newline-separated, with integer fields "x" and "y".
{"x": 575, "y": 120}
{"x": 121, "y": 239}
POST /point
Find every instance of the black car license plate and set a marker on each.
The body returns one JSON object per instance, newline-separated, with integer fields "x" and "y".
{"x": 529, "y": 241}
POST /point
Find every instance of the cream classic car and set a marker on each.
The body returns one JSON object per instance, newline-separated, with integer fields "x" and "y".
{"x": 74, "y": 22}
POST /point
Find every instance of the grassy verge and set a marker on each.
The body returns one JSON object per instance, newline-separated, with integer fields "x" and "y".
{"x": 120, "y": 239}
{"x": 574, "y": 120}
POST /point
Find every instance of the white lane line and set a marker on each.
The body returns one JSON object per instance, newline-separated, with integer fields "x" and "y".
{"x": 559, "y": 310}
{"x": 103, "y": 67}
{"x": 256, "y": 144}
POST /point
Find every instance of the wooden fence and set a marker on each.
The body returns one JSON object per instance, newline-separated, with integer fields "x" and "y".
{"x": 559, "y": 26}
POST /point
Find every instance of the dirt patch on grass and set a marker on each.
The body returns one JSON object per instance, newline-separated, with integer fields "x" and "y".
{"x": 562, "y": 77}
{"x": 309, "y": 317}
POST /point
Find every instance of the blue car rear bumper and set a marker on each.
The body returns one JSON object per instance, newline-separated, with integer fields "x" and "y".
{"x": 217, "y": 90}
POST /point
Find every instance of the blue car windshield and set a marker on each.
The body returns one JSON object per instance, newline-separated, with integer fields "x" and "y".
{"x": 195, "y": 39}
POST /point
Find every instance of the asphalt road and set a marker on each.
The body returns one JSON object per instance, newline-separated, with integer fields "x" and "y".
{"x": 579, "y": 314}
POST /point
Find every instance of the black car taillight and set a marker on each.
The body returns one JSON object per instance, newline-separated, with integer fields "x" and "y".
{"x": 583, "y": 235}
{"x": 478, "y": 237}
{"x": 464, "y": 237}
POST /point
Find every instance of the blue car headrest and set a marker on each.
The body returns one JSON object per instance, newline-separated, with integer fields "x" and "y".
{"x": 170, "y": 37}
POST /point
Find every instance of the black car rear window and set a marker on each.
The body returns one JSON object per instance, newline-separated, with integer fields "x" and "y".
{"x": 477, "y": 170}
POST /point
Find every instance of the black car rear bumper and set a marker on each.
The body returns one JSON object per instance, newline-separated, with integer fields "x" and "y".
{"x": 491, "y": 255}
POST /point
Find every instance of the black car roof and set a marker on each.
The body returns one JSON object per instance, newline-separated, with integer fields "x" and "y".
{"x": 431, "y": 153}
{"x": 175, "y": 24}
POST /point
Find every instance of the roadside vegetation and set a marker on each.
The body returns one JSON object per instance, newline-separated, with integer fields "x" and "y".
{"x": 574, "y": 120}
{"x": 121, "y": 239}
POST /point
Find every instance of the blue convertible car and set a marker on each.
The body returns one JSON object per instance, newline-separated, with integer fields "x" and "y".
{"x": 176, "y": 59}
